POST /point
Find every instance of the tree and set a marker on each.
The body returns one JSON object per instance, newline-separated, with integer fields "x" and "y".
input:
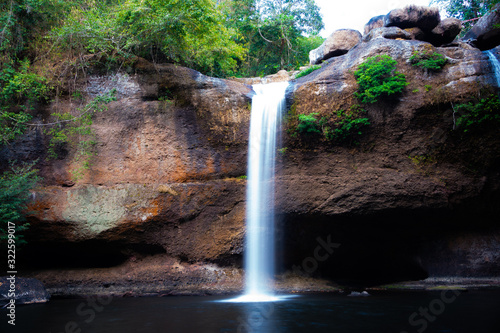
{"x": 188, "y": 32}
{"x": 277, "y": 34}
{"x": 467, "y": 11}
{"x": 15, "y": 186}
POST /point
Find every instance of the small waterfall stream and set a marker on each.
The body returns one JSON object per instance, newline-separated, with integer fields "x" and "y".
{"x": 495, "y": 64}
{"x": 268, "y": 105}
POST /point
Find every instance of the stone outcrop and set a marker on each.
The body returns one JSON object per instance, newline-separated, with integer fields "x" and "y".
{"x": 25, "y": 291}
{"x": 425, "y": 18}
{"x": 485, "y": 34}
{"x": 338, "y": 43}
{"x": 389, "y": 33}
{"x": 375, "y": 22}
{"x": 445, "y": 32}
{"x": 414, "y": 22}
{"x": 163, "y": 203}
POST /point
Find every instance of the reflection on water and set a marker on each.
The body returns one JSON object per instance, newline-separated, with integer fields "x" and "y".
{"x": 470, "y": 312}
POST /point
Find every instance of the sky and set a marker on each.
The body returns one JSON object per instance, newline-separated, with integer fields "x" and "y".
{"x": 354, "y": 14}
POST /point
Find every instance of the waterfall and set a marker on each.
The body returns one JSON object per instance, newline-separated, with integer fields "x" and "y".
{"x": 496, "y": 65}
{"x": 267, "y": 106}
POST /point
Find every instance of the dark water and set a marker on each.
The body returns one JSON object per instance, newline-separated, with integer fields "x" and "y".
{"x": 471, "y": 312}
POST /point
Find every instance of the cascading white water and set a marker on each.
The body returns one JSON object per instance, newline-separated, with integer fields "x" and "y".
{"x": 267, "y": 106}
{"x": 496, "y": 65}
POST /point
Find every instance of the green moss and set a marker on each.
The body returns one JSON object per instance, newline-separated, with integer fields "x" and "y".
{"x": 428, "y": 59}
{"x": 307, "y": 71}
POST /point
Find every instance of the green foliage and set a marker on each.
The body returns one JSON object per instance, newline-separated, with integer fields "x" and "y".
{"x": 307, "y": 71}
{"x": 427, "y": 87}
{"x": 475, "y": 114}
{"x": 377, "y": 78}
{"x": 283, "y": 151}
{"x": 347, "y": 125}
{"x": 465, "y": 10}
{"x": 428, "y": 60}
{"x": 20, "y": 90}
{"x": 277, "y": 34}
{"x": 76, "y": 130}
{"x": 15, "y": 186}
{"x": 22, "y": 87}
{"x": 339, "y": 127}
{"x": 308, "y": 124}
{"x": 189, "y": 32}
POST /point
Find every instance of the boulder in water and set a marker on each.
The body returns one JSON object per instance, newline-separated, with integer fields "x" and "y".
{"x": 359, "y": 294}
{"x": 26, "y": 291}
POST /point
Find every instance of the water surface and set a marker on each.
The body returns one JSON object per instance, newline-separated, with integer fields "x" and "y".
{"x": 471, "y": 312}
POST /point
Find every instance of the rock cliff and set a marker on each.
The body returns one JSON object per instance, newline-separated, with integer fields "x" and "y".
{"x": 162, "y": 207}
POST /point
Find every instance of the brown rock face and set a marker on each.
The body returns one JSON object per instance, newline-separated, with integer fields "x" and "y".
{"x": 374, "y": 193}
{"x": 162, "y": 207}
{"x": 425, "y": 18}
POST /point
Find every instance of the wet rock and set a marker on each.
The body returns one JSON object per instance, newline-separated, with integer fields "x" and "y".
{"x": 26, "y": 291}
{"x": 359, "y": 294}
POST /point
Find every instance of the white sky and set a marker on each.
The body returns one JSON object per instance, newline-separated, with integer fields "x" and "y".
{"x": 354, "y": 14}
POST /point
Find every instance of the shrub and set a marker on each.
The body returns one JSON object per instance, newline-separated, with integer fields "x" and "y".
{"x": 19, "y": 91}
{"x": 308, "y": 124}
{"x": 346, "y": 126}
{"x": 484, "y": 111}
{"x": 338, "y": 127}
{"x": 307, "y": 71}
{"x": 14, "y": 194}
{"x": 377, "y": 78}
{"x": 428, "y": 60}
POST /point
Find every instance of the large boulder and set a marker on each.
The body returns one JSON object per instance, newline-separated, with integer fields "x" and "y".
{"x": 375, "y": 22}
{"x": 445, "y": 32}
{"x": 26, "y": 291}
{"x": 423, "y": 17}
{"x": 388, "y": 33}
{"x": 338, "y": 43}
{"x": 485, "y": 34}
